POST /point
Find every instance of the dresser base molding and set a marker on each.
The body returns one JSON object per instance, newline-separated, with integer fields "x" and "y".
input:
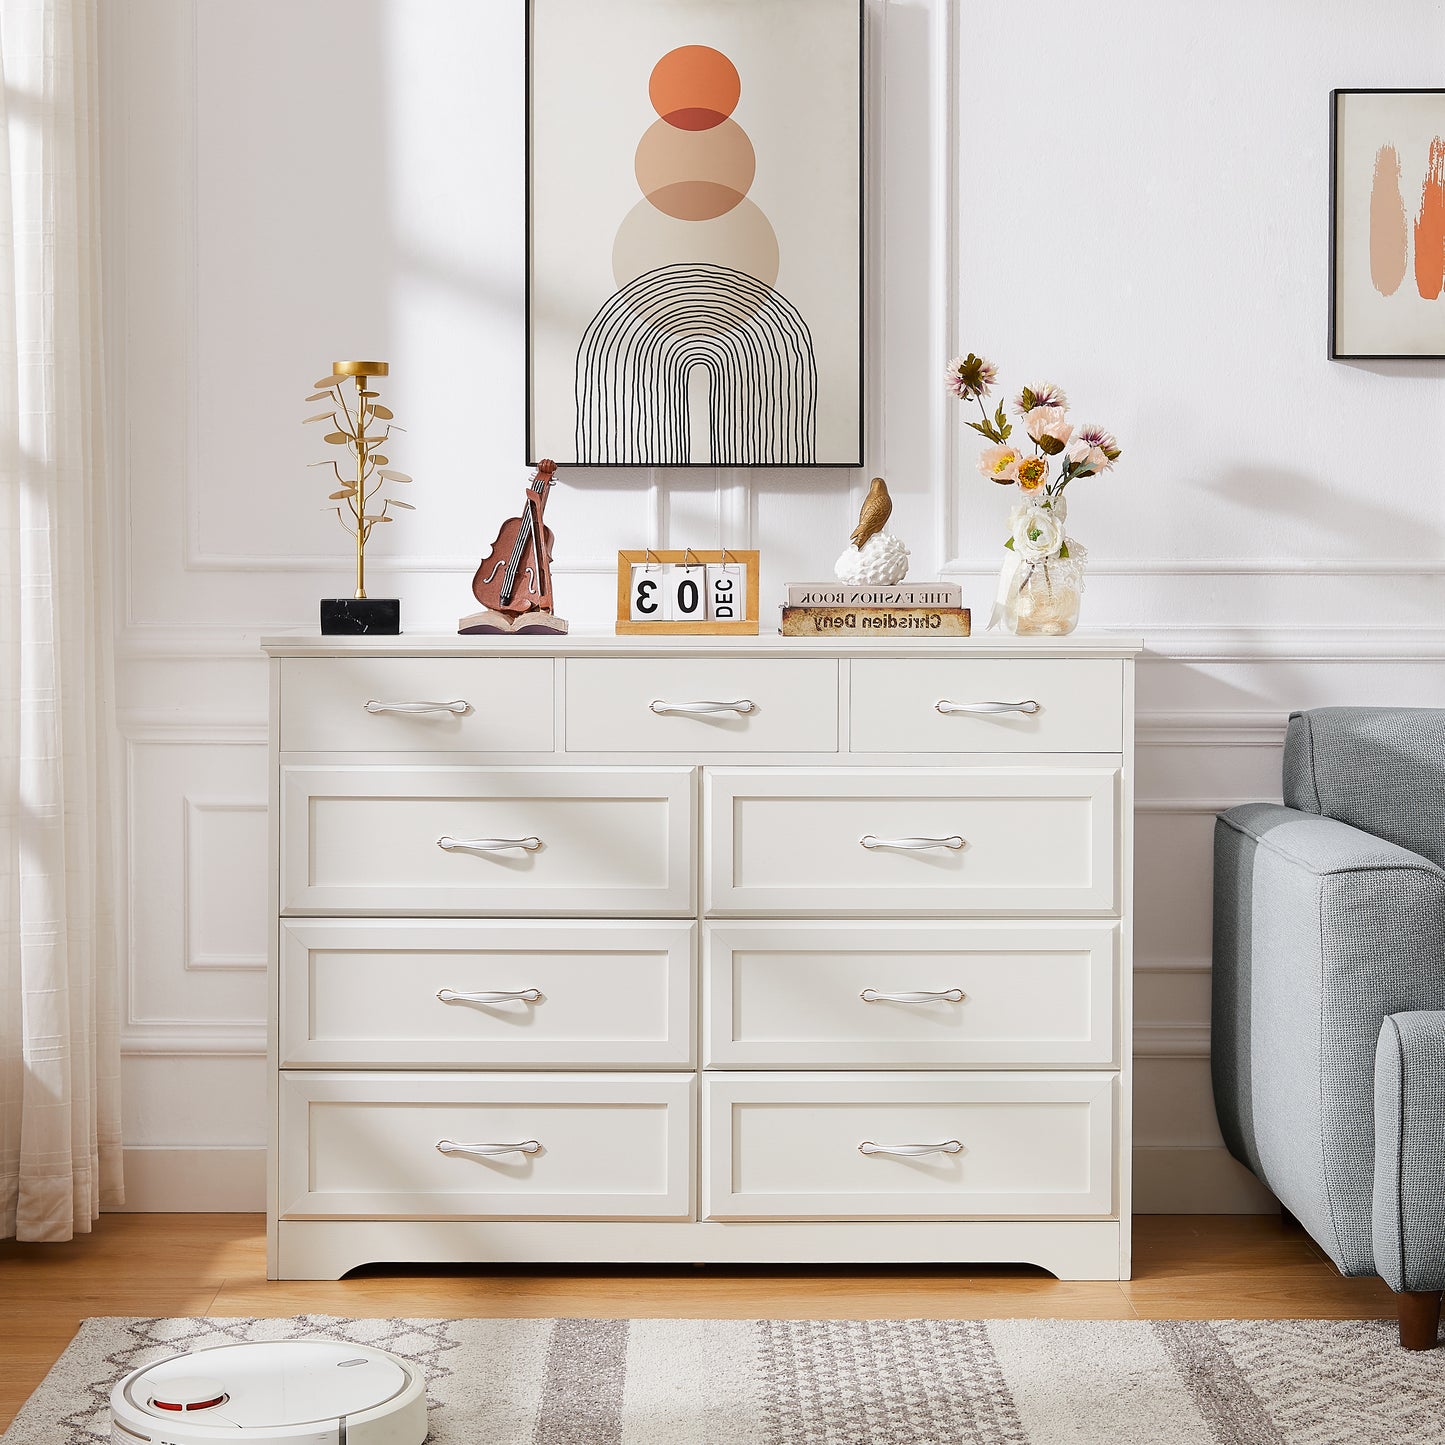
{"x": 1069, "y": 1249}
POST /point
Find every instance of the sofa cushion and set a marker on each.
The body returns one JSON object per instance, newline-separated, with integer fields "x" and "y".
{"x": 1379, "y": 769}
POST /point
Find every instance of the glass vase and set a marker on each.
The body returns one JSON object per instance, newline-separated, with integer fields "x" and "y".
{"x": 1048, "y": 601}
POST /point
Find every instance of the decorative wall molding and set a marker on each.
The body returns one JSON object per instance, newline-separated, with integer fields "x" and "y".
{"x": 197, "y": 728}
{"x": 1210, "y": 729}
{"x": 1382, "y": 643}
{"x": 1171, "y": 1041}
{"x": 193, "y": 1181}
{"x": 1174, "y": 965}
{"x": 1231, "y": 567}
{"x": 188, "y": 1038}
{"x": 1187, "y": 807}
{"x": 194, "y": 957}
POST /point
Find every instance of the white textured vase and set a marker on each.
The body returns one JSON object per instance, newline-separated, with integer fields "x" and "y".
{"x": 879, "y": 562}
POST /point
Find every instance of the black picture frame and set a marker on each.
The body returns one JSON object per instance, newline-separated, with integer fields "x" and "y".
{"x": 1334, "y": 351}
{"x": 532, "y": 448}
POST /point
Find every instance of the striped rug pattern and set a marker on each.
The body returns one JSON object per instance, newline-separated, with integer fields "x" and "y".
{"x": 815, "y": 1382}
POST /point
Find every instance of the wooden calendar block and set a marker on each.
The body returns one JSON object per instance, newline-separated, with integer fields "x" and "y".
{"x": 707, "y": 593}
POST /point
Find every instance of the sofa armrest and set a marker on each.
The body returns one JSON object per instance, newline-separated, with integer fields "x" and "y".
{"x": 1321, "y": 932}
{"x": 1409, "y": 1223}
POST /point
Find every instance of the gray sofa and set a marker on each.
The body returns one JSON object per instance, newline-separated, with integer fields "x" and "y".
{"x": 1329, "y": 995}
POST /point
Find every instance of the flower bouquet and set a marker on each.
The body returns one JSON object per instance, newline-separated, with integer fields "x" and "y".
{"x": 1043, "y": 577}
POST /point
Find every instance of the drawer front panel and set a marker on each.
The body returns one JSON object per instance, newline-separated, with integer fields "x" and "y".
{"x": 364, "y": 1145}
{"x": 324, "y": 704}
{"x": 370, "y": 993}
{"x": 943, "y": 841}
{"x": 651, "y": 705}
{"x": 847, "y": 995}
{"x": 846, "y": 1146}
{"x": 1071, "y": 706}
{"x": 601, "y": 841}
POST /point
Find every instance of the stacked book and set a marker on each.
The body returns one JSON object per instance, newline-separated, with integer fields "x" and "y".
{"x": 902, "y": 609}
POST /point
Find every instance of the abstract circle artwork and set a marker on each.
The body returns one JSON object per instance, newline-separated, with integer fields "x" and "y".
{"x": 742, "y": 181}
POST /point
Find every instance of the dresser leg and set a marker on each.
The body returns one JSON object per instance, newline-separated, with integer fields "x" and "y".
{"x": 1419, "y": 1318}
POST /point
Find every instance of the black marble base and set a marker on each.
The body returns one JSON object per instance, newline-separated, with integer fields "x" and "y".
{"x": 360, "y": 616}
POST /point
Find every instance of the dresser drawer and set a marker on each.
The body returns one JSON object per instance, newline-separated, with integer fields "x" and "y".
{"x": 378, "y": 840}
{"x": 599, "y": 1146}
{"x": 417, "y": 704}
{"x": 428, "y": 993}
{"x": 855, "y": 842}
{"x": 847, "y": 995}
{"x": 678, "y": 705}
{"x": 954, "y": 705}
{"x": 847, "y": 1146}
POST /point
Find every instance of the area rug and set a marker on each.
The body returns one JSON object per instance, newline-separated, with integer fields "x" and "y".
{"x": 836, "y": 1382}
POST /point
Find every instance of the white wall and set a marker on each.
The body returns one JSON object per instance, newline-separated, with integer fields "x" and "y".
{"x": 1128, "y": 198}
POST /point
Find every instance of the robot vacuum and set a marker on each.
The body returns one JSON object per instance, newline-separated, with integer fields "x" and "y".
{"x": 286, "y": 1392}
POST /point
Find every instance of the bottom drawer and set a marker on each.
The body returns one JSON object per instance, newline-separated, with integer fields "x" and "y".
{"x": 908, "y": 1146}
{"x": 596, "y": 1146}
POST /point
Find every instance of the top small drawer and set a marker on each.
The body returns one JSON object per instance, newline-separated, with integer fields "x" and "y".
{"x": 417, "y": 704}
{"x": 702, "y": 705}
{"x": 987, "y": 705}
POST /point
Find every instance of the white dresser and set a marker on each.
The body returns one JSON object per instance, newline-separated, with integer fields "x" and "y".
{"x": 748, "y": 950}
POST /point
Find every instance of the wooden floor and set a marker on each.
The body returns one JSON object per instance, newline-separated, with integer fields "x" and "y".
{"x": 1186, "y": 1267}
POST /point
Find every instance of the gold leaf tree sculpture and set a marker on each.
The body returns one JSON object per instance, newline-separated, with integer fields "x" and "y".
{"x": 362, "y": 426}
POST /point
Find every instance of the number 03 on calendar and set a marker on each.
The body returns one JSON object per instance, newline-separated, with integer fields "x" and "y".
{"x": 687, "y": 592}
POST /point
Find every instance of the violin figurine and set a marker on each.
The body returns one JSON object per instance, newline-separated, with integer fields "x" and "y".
{"x": 514, "y": 581}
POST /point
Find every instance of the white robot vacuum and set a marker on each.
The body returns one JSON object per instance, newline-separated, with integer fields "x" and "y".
{"x": 286, "y": 1392}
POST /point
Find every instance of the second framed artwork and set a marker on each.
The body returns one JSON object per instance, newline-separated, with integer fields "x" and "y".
{"x": 1387, "y": 224}
{"x": 695, "y": 232}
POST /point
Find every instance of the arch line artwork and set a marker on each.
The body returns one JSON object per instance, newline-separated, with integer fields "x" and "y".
{"x": 637, "y": 357}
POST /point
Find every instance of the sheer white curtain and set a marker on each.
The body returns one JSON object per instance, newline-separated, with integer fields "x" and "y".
{"x": 59, "y": 1026}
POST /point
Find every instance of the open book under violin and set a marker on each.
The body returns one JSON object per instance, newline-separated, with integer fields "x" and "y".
{"x": 514, "y": 581}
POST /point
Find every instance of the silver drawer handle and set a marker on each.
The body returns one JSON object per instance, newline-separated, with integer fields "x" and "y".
{"x": 488, "y": 845}
{"x": 525, "y": 995}
{"x": 944, "y": 706}
{"x": 911, "y": 1151}
{"x": 456, "y": 707}
{"x": 450, "y": 1146}
{"x": 947, "y": 995}
{"x": 743, "y": 705}
{"x": 912, "y": 845}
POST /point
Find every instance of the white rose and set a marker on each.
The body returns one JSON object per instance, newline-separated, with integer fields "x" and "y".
{"x": 1037, "y": 533}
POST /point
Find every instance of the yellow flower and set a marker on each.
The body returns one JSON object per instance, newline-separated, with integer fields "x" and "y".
{"x": 1033, "y": 473}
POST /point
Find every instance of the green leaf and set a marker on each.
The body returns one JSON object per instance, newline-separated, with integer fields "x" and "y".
{"x": 1010, "y": 544}
{"x": 1006, "y": 430}
{"x": 1064, "y": 550}
{"x": 984, "y": 428}
{"x": 1028, "y": 399}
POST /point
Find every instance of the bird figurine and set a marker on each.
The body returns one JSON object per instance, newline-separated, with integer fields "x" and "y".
{"x": 874, "y": 514}
{"x": 873, "y": 557}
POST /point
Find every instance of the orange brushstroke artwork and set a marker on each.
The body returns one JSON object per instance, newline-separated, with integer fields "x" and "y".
{"x": 1389, "y": 225}
{"x": 1430, "y": 227}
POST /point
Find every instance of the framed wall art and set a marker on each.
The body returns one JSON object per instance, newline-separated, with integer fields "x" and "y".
{"x": 1387, "y": 224}
{"x": 695, "y": 232}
